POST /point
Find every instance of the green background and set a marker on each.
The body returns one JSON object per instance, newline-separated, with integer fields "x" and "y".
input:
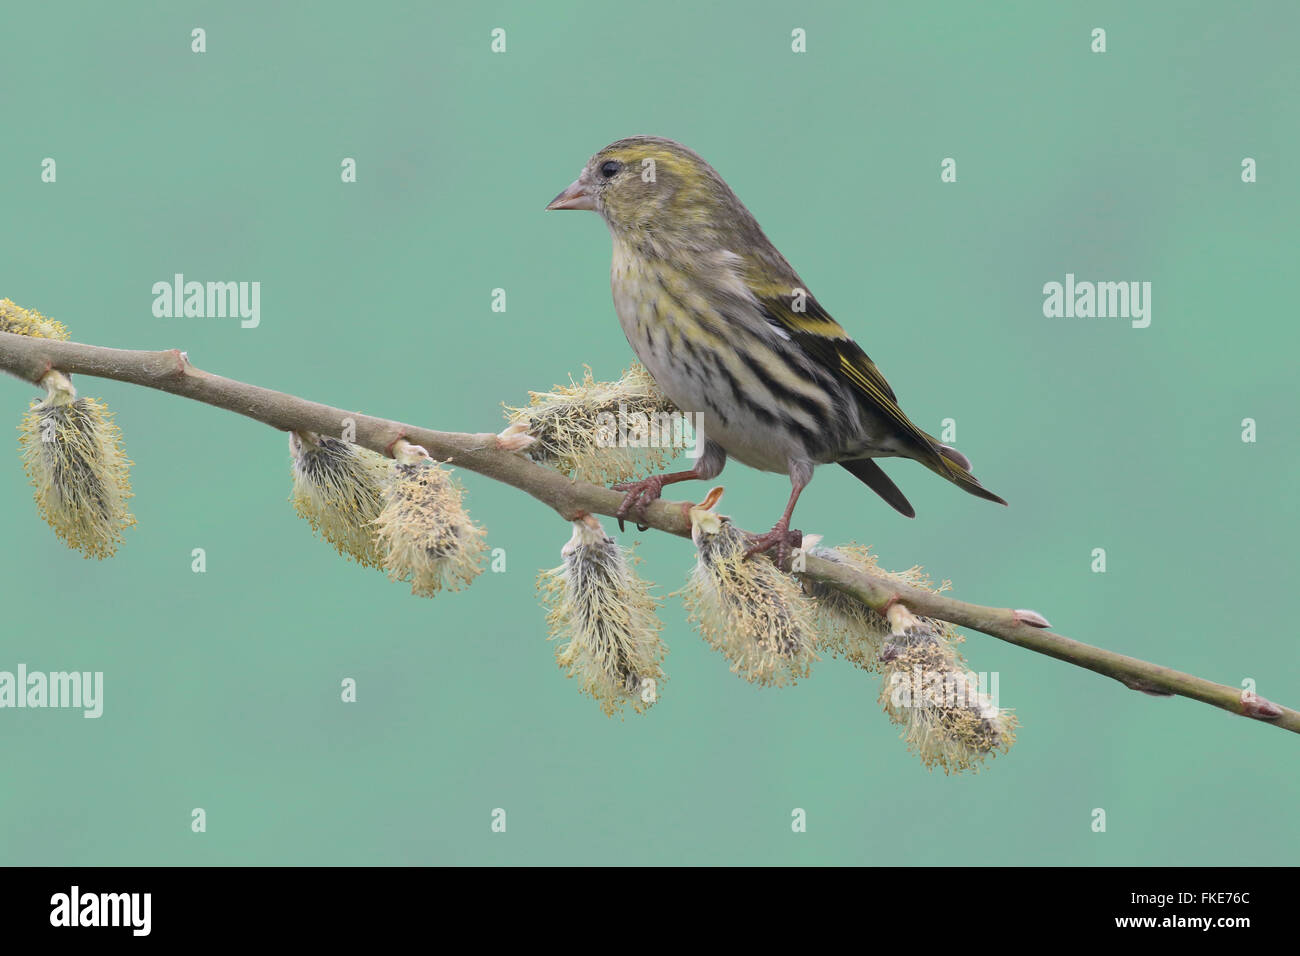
{"x": 222, "y": 689}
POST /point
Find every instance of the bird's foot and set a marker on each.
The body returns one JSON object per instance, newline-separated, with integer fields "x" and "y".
{"x": 782, "y": 539}
{"x": 638, "y": 495}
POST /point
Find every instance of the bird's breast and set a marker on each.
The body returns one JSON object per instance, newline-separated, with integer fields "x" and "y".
{"x": 658, "y": 330}
{"x": 744, "y": 387}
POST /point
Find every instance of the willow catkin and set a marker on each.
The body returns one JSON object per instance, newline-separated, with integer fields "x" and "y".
{"x": 748, "y": 610}
{"x": 424, "y": 532}
{"x": 603, "y": 618}
{"x": 14, "y": 318}
{"x": 949, "y": 720}
{"x": 72, "y": 453}
{"x": 850, "y": 628}
{"x": 338, "y": 487}
{"x": 602, "y": 431}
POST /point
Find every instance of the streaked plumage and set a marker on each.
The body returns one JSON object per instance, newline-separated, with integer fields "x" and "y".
{"x": 728, "y": 329}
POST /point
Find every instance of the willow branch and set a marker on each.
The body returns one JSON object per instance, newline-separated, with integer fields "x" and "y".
{"x": 171, "y": 371}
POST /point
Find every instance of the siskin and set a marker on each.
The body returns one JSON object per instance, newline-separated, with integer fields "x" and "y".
{"x": 729, "y": 332}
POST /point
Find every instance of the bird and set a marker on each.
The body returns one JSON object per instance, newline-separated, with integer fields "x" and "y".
{"x": 732, "y": 335}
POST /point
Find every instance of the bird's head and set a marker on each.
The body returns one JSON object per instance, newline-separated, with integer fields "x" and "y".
{"x": 658, "y": 189}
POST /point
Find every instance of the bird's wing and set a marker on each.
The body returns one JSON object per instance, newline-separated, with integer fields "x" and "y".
{"x": 776, "y": 289}
{"x": 825, "y": 342}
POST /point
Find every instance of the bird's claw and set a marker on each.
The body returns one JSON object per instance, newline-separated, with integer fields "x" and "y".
{"x": 638, "y": 495}
{"x": 782, "y": 538}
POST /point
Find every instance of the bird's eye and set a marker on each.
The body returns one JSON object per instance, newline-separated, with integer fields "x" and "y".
{"x": 610, "y": 168}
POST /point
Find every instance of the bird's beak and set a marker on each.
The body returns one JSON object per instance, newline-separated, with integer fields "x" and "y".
{"x": 575, "y": 196}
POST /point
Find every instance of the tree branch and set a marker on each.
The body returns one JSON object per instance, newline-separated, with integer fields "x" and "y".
{"x": 170, "y": 371}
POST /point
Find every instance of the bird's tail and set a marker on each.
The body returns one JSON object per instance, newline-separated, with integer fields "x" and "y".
{"x": 947, "y": 462}
{"x": 874, "y": 477}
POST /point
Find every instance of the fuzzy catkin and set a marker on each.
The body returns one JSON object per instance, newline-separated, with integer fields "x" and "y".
{"x": 849, "y": 628}
{"x": 338, "y": 488}
{"x": 14, "y": 318}
{"x": 926, "y": 688}
{"x": 575, "y": 427}
{"x": 603, "y": 617}
{"x": 748, "y": 610}
{"x": 947, "y": 720}
{"x": 72, "y": 453}
{"x": 424, "y": 533}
